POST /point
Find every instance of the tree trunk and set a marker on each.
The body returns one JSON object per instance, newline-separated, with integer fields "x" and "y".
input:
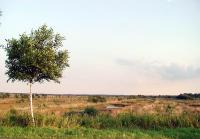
{"x": 31, "y": 106}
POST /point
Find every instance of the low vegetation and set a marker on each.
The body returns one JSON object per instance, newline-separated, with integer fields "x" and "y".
{"x": 188, "y": 96}
{"x": 90, "y": 111}
{"x": 96, "y": 99}
{"x": 89, "y": 133}
{"x": 91, "y": 119}
{"x": 4, "y": 95}
{"x": 116, "y": 118}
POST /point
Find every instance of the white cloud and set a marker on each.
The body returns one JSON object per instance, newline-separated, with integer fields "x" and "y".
{"x": 171, "y": 71}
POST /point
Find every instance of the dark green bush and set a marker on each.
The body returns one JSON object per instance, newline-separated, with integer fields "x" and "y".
{"x": 90, "y": 111}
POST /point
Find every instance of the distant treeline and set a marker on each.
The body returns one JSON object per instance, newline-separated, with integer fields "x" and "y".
{"x": 180, "y": 96}
{"x": 188, "y": 96}
{"x": 20, "y": 95}
{"x": 101, "y": 98}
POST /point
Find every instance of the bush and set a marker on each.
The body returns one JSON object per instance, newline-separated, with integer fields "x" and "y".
{"x": 12, "y": 118}
{"x": 90, "y": 111}
{"x": 96, "y": 99}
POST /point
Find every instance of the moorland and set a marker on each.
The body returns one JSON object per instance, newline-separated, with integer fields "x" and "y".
{"x": 100, "y": 116}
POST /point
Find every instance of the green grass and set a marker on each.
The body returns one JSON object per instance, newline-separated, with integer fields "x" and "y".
{"x": 92, "y": 119}
{"x": 100, "y": 126}
{"x": 182, "y": 133}
{"x": 88, "y": 133}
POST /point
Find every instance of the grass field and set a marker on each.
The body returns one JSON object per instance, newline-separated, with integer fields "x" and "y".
{"x": 104, "y": 117}
{"x": 89, "y": 133}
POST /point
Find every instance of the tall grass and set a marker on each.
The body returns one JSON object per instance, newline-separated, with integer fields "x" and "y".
{"x": 146, "y": 121}
{"x": 103, "y": 121}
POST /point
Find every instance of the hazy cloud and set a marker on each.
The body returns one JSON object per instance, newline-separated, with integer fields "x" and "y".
{"x": 174, "y": 72}
{"x": 170, "y": 72}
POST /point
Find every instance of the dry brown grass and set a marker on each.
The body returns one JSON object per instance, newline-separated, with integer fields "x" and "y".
{"x": 61, "y": 104}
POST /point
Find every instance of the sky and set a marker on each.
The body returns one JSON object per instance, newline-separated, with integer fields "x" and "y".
{"x": 122, "y": 47}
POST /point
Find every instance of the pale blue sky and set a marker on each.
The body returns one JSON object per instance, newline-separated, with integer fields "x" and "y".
{"x": 116, "y": 46}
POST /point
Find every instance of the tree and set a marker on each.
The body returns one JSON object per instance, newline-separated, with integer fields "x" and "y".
{"x": 36, "y": 57}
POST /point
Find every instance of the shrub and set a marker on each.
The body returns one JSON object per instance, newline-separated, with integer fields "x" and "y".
{"x": 12, "y": 118}
{"x": 90, "y": 111}
{"x": 96, "y": 99}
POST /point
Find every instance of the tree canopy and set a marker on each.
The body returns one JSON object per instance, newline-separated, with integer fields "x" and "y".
{"x": 36, "y": 57}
